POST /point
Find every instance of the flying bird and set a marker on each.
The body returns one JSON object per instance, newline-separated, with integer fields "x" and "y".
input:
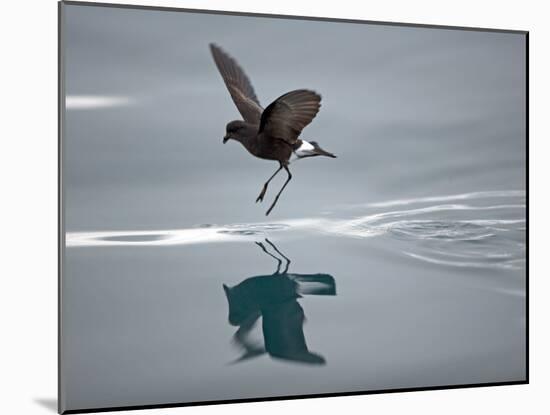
{"x": 271, "y": 133}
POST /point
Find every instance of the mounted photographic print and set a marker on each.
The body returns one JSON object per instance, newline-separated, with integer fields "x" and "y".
{"x": 258, "y": 207}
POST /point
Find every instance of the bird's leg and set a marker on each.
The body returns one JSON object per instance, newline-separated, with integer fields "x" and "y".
{"x": 262, "y": 193}
{"x": 280, "y": 191}
{"x": 280, "y": 253}
{"x": 279, "y": 262}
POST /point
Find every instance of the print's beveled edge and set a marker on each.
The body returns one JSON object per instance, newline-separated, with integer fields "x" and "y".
{"x": 60, "y": 200}
{"x": 527, "y": 207}
{"x": 295, "y": 397}
{"x": 61, "y": 222}
{"x": 290, "y": 16}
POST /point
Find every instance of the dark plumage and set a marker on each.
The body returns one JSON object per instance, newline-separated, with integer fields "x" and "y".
{"x": 270, "y": 134}
{"x": 274, "y": 298}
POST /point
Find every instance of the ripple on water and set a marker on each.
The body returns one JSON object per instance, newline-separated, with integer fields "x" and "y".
{"x": 134, "y": 238}
{"x": 252, "y": 229}
{"x": 488, "y": 231}
{"x": 440, "y": 230}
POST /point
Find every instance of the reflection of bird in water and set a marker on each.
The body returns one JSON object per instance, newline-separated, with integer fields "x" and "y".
{"x": 272, "y": 133}
{"x": 274, "y": 298}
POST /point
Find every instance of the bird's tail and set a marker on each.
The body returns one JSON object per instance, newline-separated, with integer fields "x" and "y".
{"x": 319, "y": 151}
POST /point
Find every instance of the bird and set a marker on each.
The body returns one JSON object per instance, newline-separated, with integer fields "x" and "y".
{"x": 271, "y": 133}
{"x": 275, "y": 298}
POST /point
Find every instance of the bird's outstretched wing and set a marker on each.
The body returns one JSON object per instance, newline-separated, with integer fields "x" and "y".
{"x": 238, "y": 84}
{"x": 288, "y": 115}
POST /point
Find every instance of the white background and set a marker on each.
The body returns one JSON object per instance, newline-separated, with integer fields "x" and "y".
{"x": 28, "y": 175}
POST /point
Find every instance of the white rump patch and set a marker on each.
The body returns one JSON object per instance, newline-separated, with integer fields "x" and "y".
{"x": 306, "y": 149}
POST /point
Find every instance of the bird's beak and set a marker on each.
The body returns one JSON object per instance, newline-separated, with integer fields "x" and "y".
{"x": 225, "y": 138}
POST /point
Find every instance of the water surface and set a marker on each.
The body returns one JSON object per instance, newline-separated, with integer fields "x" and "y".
{"x": 399, "y": 264}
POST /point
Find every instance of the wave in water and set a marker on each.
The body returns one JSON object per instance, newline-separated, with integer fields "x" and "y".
{"x": 477, "y": 234}
{"x": 448, "y": 198}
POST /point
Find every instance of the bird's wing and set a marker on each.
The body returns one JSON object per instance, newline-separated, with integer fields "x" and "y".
{"x": 238, "y": 84}
{"x": 286, "y": 117}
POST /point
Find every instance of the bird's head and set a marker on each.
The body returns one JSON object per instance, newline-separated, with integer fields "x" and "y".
{"x": 234, "y": 130}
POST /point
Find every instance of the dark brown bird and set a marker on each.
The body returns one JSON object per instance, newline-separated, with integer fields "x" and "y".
{"x": 270, "y": 134}
{"x": 274, "y": 298}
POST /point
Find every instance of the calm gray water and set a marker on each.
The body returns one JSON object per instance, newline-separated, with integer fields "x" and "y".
{"x": 399, "y": 264}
